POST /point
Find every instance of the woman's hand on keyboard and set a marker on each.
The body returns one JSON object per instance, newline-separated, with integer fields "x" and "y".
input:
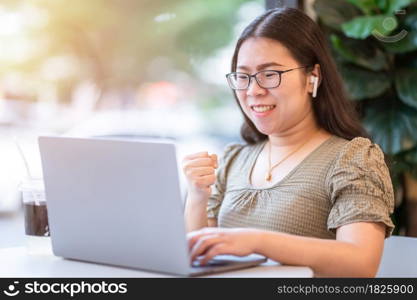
{"x": 211, "y": 241}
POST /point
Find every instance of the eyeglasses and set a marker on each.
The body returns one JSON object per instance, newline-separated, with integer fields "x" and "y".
{"x": 267, "y": 79}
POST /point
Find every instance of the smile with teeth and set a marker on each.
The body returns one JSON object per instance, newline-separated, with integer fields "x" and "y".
{"x": 262, "y": 108}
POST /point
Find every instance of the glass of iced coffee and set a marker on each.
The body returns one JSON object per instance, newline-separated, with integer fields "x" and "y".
{"x": 36, "y": 215}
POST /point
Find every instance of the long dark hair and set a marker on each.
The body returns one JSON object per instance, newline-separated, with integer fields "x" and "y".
{"x": 304, "y": 39}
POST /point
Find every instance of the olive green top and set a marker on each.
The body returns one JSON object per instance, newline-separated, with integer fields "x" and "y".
{"x": 340, "y": 182}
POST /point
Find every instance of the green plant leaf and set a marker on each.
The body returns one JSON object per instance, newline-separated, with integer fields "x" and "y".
{"x": 362, "y": 27}
{"x": 334, "y": 13}
{"x": 366, "y": 6}
{"x": 362, "y": 84}
{"x": 411, "y": 156}
{"x": 392, "y": 124}
{"x": 405, "y": 82}
{"x": 360, "y": 53}
{"x": 382, "y": 5}
{"x": 404, "y": 45}
{"x": 410, "y": 21}
{"x": 395, "y": 5}
{"x": 400, "y": 164}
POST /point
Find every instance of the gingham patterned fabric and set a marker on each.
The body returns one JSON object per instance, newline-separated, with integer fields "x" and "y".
{"x": 338, "y": 183}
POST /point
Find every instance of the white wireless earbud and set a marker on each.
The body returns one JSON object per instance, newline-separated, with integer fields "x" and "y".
{"x": 315, "y": 81}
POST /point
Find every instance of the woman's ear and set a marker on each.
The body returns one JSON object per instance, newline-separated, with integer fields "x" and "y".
{"x": 317, "y": 72}
{"x": 315, "y": 80}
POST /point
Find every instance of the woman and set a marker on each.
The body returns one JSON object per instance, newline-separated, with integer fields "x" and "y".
{"x": 308, "y": 187}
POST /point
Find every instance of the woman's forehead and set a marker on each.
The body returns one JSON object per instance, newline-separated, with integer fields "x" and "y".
{"x": 255, "y": 52}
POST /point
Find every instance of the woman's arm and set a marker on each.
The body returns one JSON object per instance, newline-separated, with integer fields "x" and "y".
{"x": 199, "y": 169}
{"x": 195, "y": 213}
{"x": 356, "y": 252}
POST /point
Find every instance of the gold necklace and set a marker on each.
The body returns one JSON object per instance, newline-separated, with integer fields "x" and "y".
{"x": 268, "y": 176}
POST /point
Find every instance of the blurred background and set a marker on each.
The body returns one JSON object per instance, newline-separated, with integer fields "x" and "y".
{"x": 114, "y": 67}
{"x": 156, "y": 68}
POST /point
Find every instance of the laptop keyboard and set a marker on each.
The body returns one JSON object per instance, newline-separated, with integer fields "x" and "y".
{"x": 210, "y": 263}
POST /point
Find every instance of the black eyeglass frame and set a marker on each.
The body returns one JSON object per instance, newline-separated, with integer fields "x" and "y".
{"x": 254, "y": 76}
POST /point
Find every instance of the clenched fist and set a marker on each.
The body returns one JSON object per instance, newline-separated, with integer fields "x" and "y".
{"x": 199, "y": 169}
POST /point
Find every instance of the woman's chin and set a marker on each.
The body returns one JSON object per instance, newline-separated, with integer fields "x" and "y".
{"x": 264, "y": 130}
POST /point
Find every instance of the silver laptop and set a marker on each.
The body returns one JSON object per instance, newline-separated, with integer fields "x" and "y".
{"x": 118, "y": 202}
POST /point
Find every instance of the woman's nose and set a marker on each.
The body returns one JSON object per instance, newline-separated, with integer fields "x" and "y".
{"x": 254, "y": 89}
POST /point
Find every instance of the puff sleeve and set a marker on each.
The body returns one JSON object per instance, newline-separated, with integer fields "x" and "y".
{"x": 360, "y": 187}
{"x": 219, "y": 188}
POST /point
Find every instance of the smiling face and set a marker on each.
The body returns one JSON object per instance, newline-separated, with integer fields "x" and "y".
{"x": 276, "y": 110}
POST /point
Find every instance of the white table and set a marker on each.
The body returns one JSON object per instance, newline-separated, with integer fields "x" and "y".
{"x": 16, "y": 262}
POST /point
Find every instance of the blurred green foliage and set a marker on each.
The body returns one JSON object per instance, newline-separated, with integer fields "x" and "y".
{"x": 374, "y": 43}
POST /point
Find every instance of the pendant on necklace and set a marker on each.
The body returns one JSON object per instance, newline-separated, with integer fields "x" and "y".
{"x": 268, "y": 177}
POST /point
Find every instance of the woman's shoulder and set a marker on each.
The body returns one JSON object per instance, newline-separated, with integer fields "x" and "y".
{"x": 239, "y": 151}
{"x": 360, "y": 150}
{"x": 235, "y": 147}
{"x": 360, "y": 186}
{"x": 338, "y": 153}
{"x": 232, "y": 148}
{"x": 360, "y": 158}
{"x": 351, "y": 149}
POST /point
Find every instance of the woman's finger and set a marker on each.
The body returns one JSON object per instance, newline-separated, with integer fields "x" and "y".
{"x": 207, "y": 180}
{"x": 203, "y": 245}
{"x": 198, "y": 162}
{"x": 214, "y": 159}
{"x": 212, "y": 252}
{"x": 201, "y": 171}
{"x": 194, "y": 236}
{"x": 196, "y": 155}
